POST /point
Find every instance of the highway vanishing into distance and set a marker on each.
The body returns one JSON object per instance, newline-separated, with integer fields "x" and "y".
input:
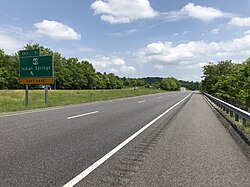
{"x": 167, "y": 139}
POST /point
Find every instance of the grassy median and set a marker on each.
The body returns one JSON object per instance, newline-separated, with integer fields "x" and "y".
{"x": 14, "y": 100}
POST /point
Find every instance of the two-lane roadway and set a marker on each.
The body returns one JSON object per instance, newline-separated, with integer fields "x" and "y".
{"x": 50, "y": 147}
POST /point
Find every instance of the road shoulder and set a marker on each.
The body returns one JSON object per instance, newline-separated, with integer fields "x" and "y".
{"x": 189, "y": 148}
{"x": 241, "y": 137}
{"x": 196, "y": 150}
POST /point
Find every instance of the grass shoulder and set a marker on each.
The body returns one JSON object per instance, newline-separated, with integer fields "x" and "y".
{"x": 14, "y": 100}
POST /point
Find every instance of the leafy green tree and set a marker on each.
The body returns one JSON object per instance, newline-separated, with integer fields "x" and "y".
{"x": 70, "y": 73}
{"x": 9, "y": 71}
{"x": 78, "y": 80}
{"x": 190, "y": 85}
{"x": 100, "y": 82}
{"x": 89, "y": 73}
{"x": 228, "y": 81}
{"x": 44, "y": 51}
{"x": 170, "y": 83}
{"x": 61, "y": 71}
{"x": 125, "y": 81}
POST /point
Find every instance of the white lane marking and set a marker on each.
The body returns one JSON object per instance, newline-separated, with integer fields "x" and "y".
{"x": 31, "y": 111}
{"x": 121, "y": 99}
{"x": 141, "y": 101}
{"x": 46, "y": 109}
{"x": 159, "y": 97}
{"x": 86, "y": 114}
{"x": 95, "y": 165}
{"x": 35, "y": 111}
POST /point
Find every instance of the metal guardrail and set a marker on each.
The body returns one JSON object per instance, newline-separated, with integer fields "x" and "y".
{"x": 230, "y": 108}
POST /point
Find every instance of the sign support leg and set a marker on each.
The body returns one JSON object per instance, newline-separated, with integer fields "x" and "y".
{"x": 46, "y": 95}
{"x": 26, "y": 95}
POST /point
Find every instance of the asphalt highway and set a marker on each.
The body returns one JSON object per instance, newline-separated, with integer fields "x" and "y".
{"x": 168, "y": 139}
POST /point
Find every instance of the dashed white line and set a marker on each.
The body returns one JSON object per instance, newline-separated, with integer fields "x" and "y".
{"x": 159, "y": 97}
{"x": 141, "y": 101}
{"x": 95, "y": 165}
{"x": 80, "y": 115}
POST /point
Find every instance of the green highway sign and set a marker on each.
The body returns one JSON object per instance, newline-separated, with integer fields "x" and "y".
{"x": 36, "y": 67}
{"x": 29, "y": 53}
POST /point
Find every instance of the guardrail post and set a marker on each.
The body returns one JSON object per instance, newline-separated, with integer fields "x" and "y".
{"x": 244, "y": 122}
{"x": 236, "y": 117}
{"x": 232, "y": 110}
{"x": 231, "y": 114}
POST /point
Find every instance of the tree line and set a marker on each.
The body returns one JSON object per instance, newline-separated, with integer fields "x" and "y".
{"x": 70, "y": 73}
{"x": 228, "y": 81}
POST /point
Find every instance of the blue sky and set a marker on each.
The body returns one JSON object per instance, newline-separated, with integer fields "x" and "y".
{"x": 132, "y": 38}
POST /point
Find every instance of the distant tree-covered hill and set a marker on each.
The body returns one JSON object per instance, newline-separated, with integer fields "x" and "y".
{"x": 152, "y": 80}
{"x": 190, "y": 85}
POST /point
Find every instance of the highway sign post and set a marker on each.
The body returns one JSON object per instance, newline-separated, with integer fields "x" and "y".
{"x": 36, "y": 69}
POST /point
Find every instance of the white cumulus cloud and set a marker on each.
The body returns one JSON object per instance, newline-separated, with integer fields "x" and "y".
{"x": 194, "y": 53}
{"x": 127, "y": 69}
{"x": 199, "y": 12}
{"x": 240, "y": 22}
{"x": 112, "y": 65}
{"x": 10, "y": 44}
{"x": 56, "y": 30}
{"x": 247, "y": 32}
{"x": 123, "y": 11}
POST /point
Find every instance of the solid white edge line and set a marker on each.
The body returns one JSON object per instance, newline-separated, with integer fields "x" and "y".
{"x": 95, "y": 165}
{"x": 86, "y": 114}
{"x": 141, "y": 101}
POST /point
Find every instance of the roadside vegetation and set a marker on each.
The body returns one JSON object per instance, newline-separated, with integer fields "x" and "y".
{"x": 75, "y": 82}
{"x": 72, "y": 74}
{"x": 230, "y": 82}
{"x": 14, "y": 100}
